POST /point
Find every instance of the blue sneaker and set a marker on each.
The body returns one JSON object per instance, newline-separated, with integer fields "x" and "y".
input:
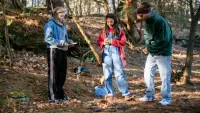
{"x": 164, "y": 102}
{"x": 147, "y": 99}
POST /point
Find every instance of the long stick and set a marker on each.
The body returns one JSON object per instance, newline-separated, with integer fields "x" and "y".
{"x": 6, "y": 32}
{"x": 83, "y": 33}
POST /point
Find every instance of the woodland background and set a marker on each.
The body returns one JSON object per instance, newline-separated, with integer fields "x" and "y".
{"x": 23, "y": 65}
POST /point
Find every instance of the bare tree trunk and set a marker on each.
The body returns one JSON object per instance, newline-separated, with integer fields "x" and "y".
{"x": 106, "y": 7}
{"x": 98, "y": 6}
{"x": 80, "y": 8}
{"x": 84, "y": 35}
{"x": 55, "y": 3}
{"x": 104, "y": 4}
{"x": 32, "y": 3}
{"x": 38, "y": 2}
{"x": 131, "y": 6}
{"x": 114, "y": 8}
{"x": 14, "y": 4}
{"x": 24, "y": 3}
{"x": 6, "y": 33}
{"x": 125, "y": 11}
{"x": 47, "y": 4}
{"x": 68, "y": 12}
{"x": 76, "y": 7}
{"x": 89, "y": 8}
{"x": 189, "y": 59}
{"x": 99, "y": 9}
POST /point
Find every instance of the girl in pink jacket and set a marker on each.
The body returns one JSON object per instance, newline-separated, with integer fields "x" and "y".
{"x": 111, "y": 41}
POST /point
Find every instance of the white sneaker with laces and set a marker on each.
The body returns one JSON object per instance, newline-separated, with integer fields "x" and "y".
{"x": 165, "y": 102}
{"x": 147, "y": 99}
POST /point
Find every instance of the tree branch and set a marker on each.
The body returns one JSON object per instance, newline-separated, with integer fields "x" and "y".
{"x": 6, "y": 33}
{"x": 83, "y": 34}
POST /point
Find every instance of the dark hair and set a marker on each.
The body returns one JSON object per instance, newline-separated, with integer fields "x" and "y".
{"x": 146, "y": 5}
{"x": 116, "y": 29}
{"x": 58, "y": 10}
{"x": 144, "y": 8}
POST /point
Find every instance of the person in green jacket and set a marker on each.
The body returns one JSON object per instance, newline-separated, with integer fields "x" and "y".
{"x": 158, "y": 40}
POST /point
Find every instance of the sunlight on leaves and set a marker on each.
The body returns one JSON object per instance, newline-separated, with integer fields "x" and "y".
{"x": 9, "y": 22}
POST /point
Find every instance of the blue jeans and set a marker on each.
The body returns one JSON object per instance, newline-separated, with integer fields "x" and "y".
{"x": 112, "y": 63}
{"x": 164, "y": 65}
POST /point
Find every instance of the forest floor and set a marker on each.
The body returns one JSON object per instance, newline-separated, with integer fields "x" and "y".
{"x": 23, "y": 88}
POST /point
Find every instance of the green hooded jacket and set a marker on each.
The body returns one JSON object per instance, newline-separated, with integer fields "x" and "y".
{"x": 158, "y": 35}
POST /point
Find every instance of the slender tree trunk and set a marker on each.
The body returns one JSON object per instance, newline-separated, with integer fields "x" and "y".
{"x": 24, "y": 3}
{"x": 68, "y": 2}
{"x": 76, "y": 7}
{"x": 99, "y": 9}
{"x": 98, "y": 4}
{"x": 104, "y": 4}
{"x": 55, "y": 3}
{"x": 84, "y": 35}
{"x": 131, "y": 6}
{"x": 89, "y": 8}
{"x": 6, "y": 32}
{"x": 47, "y": 3}
{"x": 189, "y": 59}
{"x": 38, "y": 2}
{"x": 84, "y": 7}
{"x": 32, "y": 3}
{"x": 126, "y": 11}
{"x": 14, "y": 4}
{"x": 80, "y": 8}
{"x": 114, "y": 8}
{"x": 130, "y": 28}
{"x": 106, "y": 7}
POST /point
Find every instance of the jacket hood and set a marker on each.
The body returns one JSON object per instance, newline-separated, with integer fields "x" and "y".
{"x": 53, "y": 20}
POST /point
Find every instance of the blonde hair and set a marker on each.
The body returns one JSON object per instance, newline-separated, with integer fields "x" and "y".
{"x": 58, "y": 10}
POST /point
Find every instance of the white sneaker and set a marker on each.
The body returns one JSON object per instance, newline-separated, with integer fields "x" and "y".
{"x": 165, "y": 102}
{"x": 147, "y": 99}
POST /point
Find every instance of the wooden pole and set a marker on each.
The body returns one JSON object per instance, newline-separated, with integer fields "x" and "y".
{"x": 6, "y": 32}
{"x": 83, "y": 33}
